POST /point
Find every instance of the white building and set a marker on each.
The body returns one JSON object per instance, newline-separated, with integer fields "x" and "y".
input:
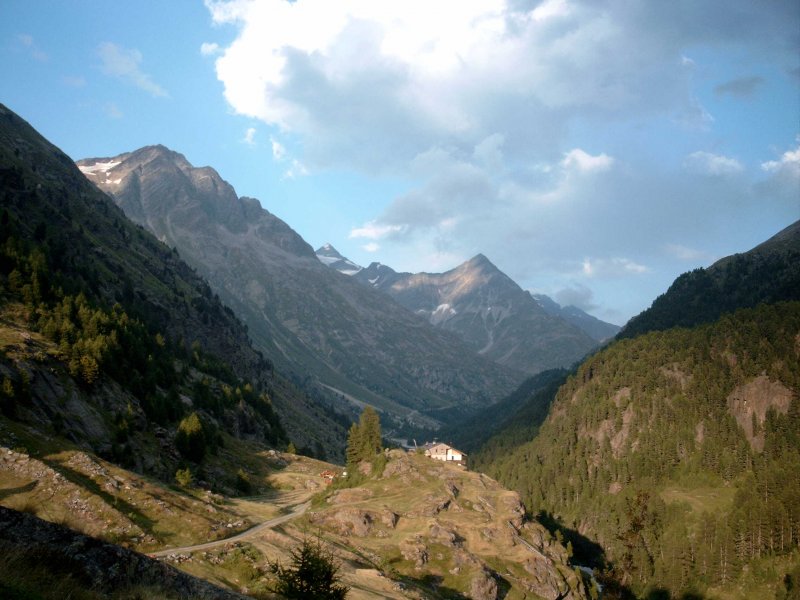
{"x": 441, "y": 451}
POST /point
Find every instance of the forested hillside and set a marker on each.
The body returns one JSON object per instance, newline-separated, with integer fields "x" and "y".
{"x": 108, "y": 339}
{"x": 770, "y": 272}
{"x": 678, "y": 452}
{"x": 517, "y": 416}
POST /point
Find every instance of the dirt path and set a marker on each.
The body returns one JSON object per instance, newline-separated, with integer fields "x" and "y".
{"x": 298, "y": 510}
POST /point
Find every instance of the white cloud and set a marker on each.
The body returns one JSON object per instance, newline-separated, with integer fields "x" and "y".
{"x": 713, "y": 164}
{"x": 278, "y": 151}
{"x": 371, "y": 247}
{"x": 373, "y": 84}
{"x": 539, "y": 133}
{"x": 374, "y": 231}
{"x": 789, "y": 161}
{"x": 297, "y": 169}
{"x": 580, "y": 160}
{"x": 209, "y": 48}
{"x": 124, "y": 64}
{"x": 250, "y": 136}
{"x": 611, "y": 267}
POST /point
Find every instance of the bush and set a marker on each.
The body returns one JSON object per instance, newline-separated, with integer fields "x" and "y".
{"x": 184, "y": 477}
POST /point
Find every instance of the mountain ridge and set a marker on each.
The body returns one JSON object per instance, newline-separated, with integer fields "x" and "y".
{"x": 768, "y": 272}
{"x": 340, "y": 338}
{"x": 496, "y": 317}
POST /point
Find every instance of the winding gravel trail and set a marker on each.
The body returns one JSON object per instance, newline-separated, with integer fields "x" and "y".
{"x": 298, "y": 510}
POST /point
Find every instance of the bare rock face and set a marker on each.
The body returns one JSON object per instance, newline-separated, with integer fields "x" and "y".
{"x": 356, "y": 522}
{"x": 414, "y": 550}
{"x": 483, "y": 586}
{"x": 749, "y": 404}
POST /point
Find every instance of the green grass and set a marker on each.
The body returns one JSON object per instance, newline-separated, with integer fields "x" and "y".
{"x": 714, "y": 500}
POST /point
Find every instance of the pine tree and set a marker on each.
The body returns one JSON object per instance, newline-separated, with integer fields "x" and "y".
{"x": 364, "y": 438}
{"x": 313, "y": 573}
{"x": 370, "y": 425}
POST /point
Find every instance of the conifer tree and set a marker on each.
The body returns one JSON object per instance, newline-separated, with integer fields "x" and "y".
{"x": 364, "y": 437}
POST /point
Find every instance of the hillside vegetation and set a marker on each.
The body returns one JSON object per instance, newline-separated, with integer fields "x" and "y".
{"x": 768, "y": 273}
{"x": 679, "y": 453}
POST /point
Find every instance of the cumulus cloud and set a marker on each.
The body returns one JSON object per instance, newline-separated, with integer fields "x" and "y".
{"x": 713, "y": 164}
{"x": 376, "y": 83}
{"x": 487, "y": 109}
{"x": 124, "y": 64}
{"x": 580, "y": 160}
{"x": 789, "y": 162}
{"x": 371, "y": 247}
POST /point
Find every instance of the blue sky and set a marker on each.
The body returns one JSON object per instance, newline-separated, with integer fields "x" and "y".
{"x": 594, "y": 150}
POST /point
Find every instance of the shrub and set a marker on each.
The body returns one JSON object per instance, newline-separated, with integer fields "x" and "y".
{"x": 184, "y": 477}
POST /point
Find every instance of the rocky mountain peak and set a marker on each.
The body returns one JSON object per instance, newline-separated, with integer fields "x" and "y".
{"x": 328, "y": 255}
{"x": 484, "y": 306}
{"x": 160, "y": 189}
{"x": 328, "y": 250}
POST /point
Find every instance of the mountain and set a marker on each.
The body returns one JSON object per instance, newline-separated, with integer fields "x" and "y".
{"x": 673, "y": 455}
{"x": 767, "y": 273}
{"x": 328, "y": 255}
{"x": 110, "y": 340}
{"x": 598, "y": 330}
{"x": 488, "y": 310}
{"x": 338, "y": 337}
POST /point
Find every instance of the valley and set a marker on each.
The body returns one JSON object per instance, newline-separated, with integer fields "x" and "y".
{"x": 191, "y": 425}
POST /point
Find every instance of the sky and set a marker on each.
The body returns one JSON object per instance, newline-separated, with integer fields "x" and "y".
{"x": 593, "y": 150}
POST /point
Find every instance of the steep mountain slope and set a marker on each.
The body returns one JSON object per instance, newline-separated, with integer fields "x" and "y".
{"x": 488, "y": 310}
{"x": 106, "y": 334}
{"x": 678, "y": 451}
{"x": 598, "y": 330}
{"x": 308, "y": 318}
{"x": 767, "y": 273}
